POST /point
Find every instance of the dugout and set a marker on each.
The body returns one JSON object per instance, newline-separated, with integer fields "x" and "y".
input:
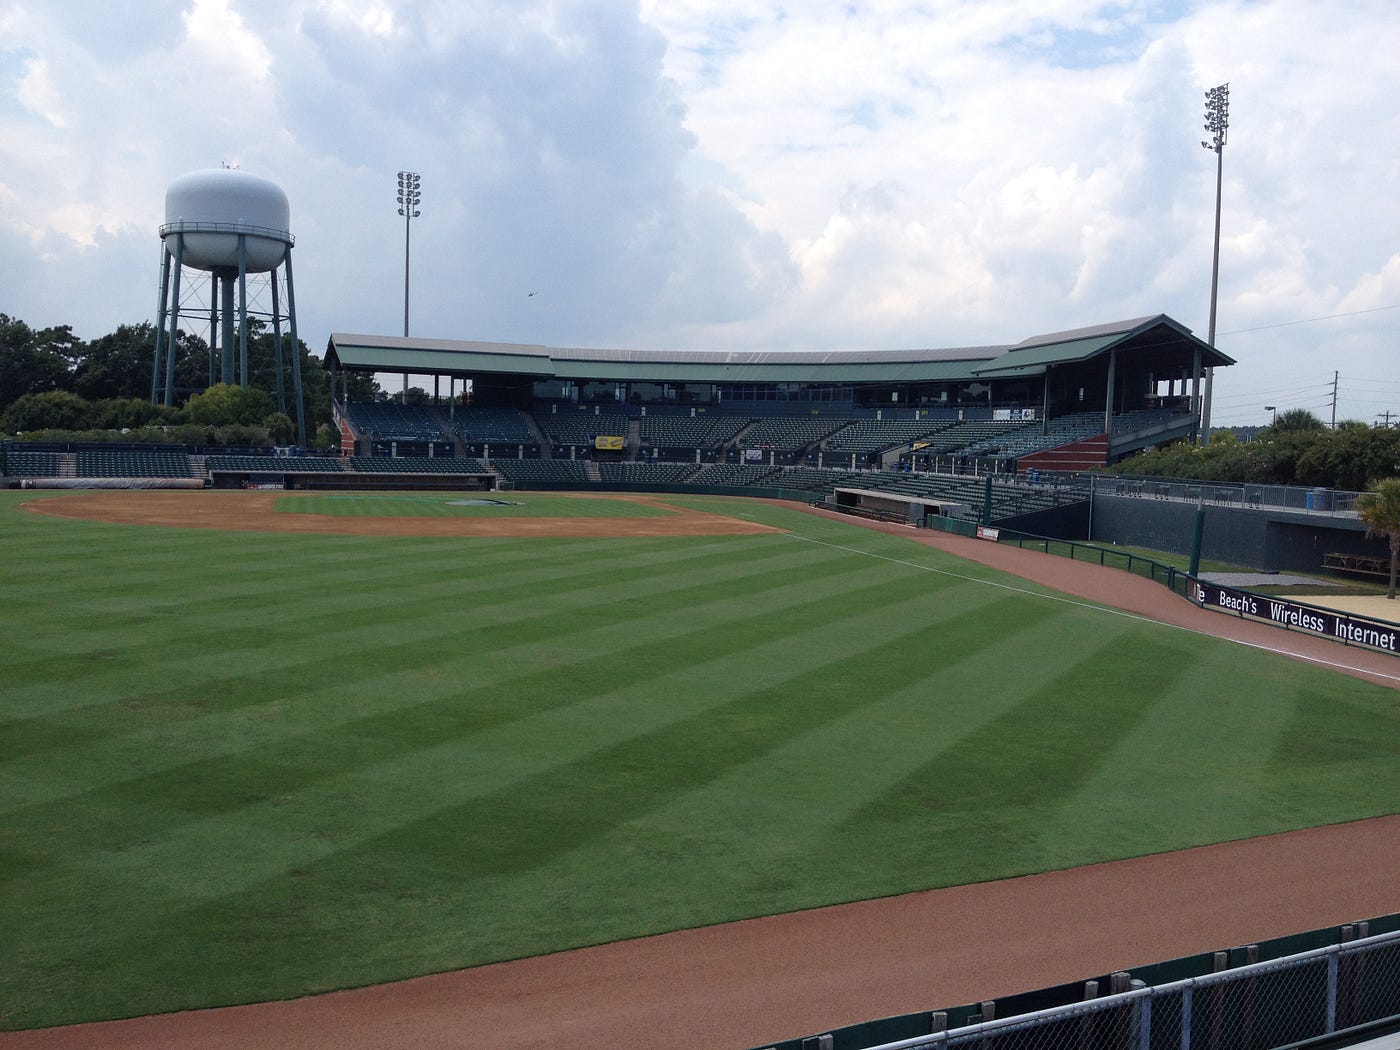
{"x": 894, "y": 506}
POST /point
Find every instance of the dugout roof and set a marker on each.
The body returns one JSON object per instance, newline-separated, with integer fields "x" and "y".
{"x": 1157, "y": 342}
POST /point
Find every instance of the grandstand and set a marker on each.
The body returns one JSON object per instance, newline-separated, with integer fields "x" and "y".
{"x": 676, "y": 437}
{"x": 581, "y": 428}
{"x": 981, "y": 406}
{"x": 493, "y": 426}
{"x": 861, "y": 441}
{"x": 387, "y": 421}
{"x": 786, "y": 437}
{"x": 914, "y": 423}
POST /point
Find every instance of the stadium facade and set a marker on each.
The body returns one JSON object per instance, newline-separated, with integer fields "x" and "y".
{"x": 1140, "y": 379}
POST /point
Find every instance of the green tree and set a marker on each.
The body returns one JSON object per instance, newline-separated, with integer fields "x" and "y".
{"x": 1297, "y": 419}
{"x": 223, "y": 405}
{"x": 32, "y": 362}
{"x": 129, "y": 413}
{"x": 51, "y": 410}
{"x": 117, "y": 365}
{"x": 1379, "y": 509}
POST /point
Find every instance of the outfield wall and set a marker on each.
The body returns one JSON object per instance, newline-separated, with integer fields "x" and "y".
{"x": 1269, "y": 538}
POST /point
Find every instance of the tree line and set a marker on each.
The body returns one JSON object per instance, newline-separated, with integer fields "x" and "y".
{"x": 1297, "y": 449}
{"x": 53, "y": 382}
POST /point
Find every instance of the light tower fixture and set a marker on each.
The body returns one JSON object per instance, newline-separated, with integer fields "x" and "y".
{"x": 1218, "y": 124}
{"x": 1274, "y": 409}
{"x": 409, "y": 196}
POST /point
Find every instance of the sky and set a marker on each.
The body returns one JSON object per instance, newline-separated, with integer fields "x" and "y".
{"x": 740, "y": 174}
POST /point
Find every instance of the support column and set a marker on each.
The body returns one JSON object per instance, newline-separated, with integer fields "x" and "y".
{"x": 173, "y": 343}
{"x": 296, "y": 351}
{"x": 243, "y": 309}
{"x": 160, "y": 320}
{"x": 277, "y": 348}
{"x": 213, "y": 327}
{"x": 226, "y": 375}
{"x": 1108, "y": 396}
{"x": 1196, "y": 391}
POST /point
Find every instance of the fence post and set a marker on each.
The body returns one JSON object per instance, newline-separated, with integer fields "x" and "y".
{"x": 1215, "y": 1003}
{"x": 1143, "y": 1012}
{"x": 1188, "y": 996}
{"x": 1121, "y": 1020}
{"x": 1087, "y": 1022}
{"x": 1331, "y": 1022}
{"x": 1249, "y": 995}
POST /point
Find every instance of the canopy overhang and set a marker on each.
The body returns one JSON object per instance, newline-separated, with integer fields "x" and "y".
{"x": 1148, "y": 339}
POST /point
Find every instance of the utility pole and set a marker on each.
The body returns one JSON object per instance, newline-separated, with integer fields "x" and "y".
{"x": 1218, "y": 124}
{"x": 1335, "y": 376}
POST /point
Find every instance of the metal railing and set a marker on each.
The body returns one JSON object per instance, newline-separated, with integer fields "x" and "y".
{"x": 192, "y": 226}
{"x": 1255, "y": 1006}
{"x": 1233, "y": 493}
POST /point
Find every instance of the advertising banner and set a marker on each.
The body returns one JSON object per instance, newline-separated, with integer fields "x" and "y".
{"x": 1322, "y": 622}
{"x": 608, "y": 442}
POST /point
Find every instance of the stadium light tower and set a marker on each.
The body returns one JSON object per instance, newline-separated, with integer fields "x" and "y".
{"x": 1218, "y": 124}
{"x": 409, "y": 196}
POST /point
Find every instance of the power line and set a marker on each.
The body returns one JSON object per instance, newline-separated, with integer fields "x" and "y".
{"x": 1310, "y": 320}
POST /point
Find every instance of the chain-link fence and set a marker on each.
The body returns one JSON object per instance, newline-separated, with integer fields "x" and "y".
{"x": 1254, "y": 1006}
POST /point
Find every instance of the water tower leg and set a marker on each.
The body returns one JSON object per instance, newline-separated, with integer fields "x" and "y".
{"x": 213, "y": 326}
{"x": 226, "y": 326}
{"x": 173, "y": 343}
{"x": 160, "y": 320}
{"x": 277, "y": 347}
{"x": 296, "y": 352}
{"x": 242, "y": 309}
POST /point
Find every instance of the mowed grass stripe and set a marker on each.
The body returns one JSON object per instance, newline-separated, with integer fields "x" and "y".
{"x": 921, "y": 711}
{"x": 241, "y": 676}
{"x": 251, "y": 669}
{"x": 513, "y": 505}
{"x": 476, "y": 702}
{"x": 362, "y": 863}
{"x": 552, "y": 664}
{"x": 213, "y": 644}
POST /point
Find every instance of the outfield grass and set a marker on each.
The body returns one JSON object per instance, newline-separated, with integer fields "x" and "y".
{"x": 513, "y": 505}
{"x": 240, "y": 766}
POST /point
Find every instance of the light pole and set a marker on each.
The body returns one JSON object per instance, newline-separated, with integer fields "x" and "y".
{"x": 1218, "y": 124}
{"x": 1274, "y": 409}
{"x": 409, "y": 196}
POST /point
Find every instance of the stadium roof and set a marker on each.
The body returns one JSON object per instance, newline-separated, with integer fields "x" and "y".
{"x": 1156, "y": 335}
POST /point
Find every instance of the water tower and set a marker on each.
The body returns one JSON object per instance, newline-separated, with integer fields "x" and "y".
{"x": 231, "y": 225}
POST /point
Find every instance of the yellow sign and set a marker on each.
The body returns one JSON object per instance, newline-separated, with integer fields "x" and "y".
{"x": 608, "y": 442}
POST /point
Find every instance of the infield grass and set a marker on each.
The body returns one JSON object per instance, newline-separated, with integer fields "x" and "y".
{"x": 239, "y": 766}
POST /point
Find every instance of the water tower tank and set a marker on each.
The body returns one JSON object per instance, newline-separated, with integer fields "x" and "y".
{"x": 211, "y": 208}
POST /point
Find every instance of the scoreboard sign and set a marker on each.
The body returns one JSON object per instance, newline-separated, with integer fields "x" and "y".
{"x": 1322, "y": 622}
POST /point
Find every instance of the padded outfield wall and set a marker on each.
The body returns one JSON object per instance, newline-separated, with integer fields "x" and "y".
{"x": 1269, "y": 538}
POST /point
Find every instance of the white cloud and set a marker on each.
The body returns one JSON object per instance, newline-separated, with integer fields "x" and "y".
{"x": 709, "y": 174}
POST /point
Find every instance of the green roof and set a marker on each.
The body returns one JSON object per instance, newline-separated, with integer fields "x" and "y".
{"x": 1148, "y": 336}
